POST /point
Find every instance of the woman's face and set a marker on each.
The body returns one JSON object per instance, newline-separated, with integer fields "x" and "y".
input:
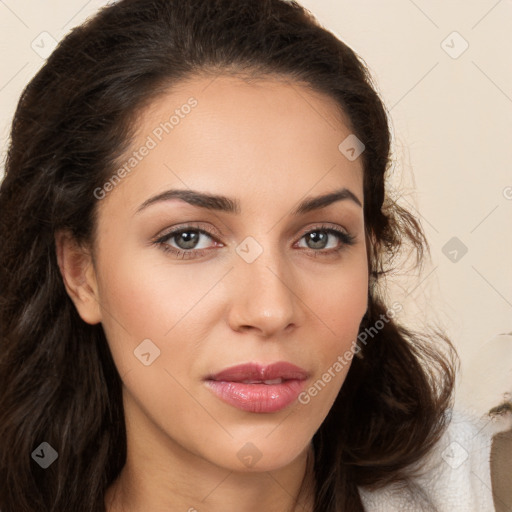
{"x": 255, "y": 277}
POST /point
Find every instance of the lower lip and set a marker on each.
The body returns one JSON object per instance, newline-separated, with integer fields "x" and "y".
{"x": 257, "y": 397}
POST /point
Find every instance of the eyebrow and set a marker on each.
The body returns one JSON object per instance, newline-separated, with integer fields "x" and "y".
{"x": 227, "y": 205}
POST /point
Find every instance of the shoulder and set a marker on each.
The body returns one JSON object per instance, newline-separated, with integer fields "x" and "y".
{"x": 455, "y": 476}
{"x": 473, "y": 459}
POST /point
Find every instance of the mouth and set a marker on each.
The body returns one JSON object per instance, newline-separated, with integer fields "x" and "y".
{"x": 257, "y": 388}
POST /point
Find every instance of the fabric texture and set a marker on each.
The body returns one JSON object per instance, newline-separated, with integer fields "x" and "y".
{"x": 456, "y": 475}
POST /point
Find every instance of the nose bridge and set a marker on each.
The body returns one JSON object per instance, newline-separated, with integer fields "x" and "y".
{"x": 264, "y": 297}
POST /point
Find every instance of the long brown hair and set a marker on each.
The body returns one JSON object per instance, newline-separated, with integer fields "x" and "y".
{"x": 58, "y": 382}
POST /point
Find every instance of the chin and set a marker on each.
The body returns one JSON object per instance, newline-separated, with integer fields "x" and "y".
{"x": 255, "y": 457}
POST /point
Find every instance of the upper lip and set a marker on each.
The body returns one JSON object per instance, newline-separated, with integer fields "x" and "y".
{"x": 258, "y": 372}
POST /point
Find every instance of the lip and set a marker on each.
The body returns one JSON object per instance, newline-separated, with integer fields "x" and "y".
{"x": 255, "y": 371}
{"x": 258, "y": 397}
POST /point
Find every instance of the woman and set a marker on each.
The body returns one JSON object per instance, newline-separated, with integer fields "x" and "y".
{"x": 194, "y": 232}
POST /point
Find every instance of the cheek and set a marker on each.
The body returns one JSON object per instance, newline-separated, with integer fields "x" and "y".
{"x": 147, "y": 299}
{"x": 339, "y": 300}
{"x": 338, "y": 305}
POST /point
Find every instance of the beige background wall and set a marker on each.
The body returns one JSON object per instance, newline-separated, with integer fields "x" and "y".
{"x": 444, "y": 69}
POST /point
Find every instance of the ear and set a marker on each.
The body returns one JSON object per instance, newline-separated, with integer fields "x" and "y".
{"x": 79, "y": 276}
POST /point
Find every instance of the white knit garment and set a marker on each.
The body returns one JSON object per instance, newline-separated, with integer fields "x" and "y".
{"x": 456, "y": 476}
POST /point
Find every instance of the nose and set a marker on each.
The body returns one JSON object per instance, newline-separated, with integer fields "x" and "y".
{"x": 263, "y": 298}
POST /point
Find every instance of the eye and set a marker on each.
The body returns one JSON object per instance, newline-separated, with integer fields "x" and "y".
{"x": 188, "y": 238}
{"x": 186, "y": 241}
{"x": 327, "y": 239}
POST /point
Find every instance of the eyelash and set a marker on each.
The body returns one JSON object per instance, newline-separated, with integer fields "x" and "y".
{"x": 346, "y": 240}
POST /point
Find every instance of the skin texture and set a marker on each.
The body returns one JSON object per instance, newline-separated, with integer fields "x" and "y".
{"x": 268, "y": 144}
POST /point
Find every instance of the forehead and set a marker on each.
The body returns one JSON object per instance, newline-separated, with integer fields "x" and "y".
{"x": 270, "y": 137}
